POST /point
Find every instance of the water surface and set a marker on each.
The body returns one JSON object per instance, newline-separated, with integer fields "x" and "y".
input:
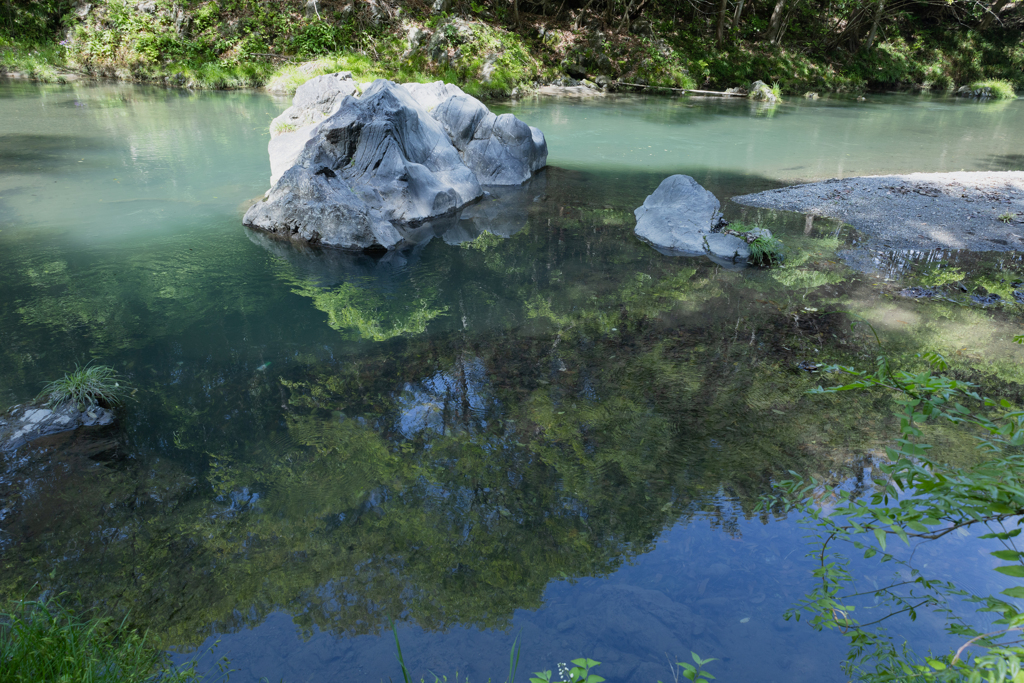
{"x": 531, "y": 424}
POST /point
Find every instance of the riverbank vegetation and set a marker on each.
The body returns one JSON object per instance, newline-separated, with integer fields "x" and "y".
{"x": 43, "y": 641}
{"x": 496, "y": 47}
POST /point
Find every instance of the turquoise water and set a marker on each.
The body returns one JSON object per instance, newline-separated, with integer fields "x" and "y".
{"x": 549, "y": 429}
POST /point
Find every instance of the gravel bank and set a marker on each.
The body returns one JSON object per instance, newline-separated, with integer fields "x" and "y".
{"x": 916, "y": 211}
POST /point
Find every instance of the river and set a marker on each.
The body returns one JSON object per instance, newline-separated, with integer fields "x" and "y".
{"x": 532, "y": 426}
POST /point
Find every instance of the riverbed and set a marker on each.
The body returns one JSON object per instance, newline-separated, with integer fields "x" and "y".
{"x": 530, "y": 426}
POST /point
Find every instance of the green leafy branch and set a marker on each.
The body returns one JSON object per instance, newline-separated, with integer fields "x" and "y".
{"x": 917, "y": 501}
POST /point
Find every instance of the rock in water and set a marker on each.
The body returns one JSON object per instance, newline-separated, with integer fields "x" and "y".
{"x": 23, "y": 424}
{"x": 358, "y": 170}
{"x": 762, "y": 92}
{"x": 678, "y": 215}
{"x": 681, "y": 217}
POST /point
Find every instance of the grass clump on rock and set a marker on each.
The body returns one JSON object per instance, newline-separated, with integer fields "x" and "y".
{"x": 995, "y": 88}
{"x": 43, "y": 641}
{"x": 765, "y": 249}
{"x": 91, "y": 385}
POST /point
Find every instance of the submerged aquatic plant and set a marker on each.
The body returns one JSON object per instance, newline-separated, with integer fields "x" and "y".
{"x": 43, "y": 641}
{"x": 91, "y": 385}
{"x": 765, "y": 251}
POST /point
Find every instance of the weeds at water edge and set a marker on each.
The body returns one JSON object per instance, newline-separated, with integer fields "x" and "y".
{"x": 42, "y": 641}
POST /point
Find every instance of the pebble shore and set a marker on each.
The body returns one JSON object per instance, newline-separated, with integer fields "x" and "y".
{"x": 978, "y": 211}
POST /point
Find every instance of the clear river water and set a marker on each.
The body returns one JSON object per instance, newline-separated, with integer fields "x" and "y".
{"x": 531, "y": 426}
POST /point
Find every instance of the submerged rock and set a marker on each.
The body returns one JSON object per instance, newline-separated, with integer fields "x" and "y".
{"x": 360, "y": 170}
{"x": 26, "y": 423}
{"x": 986, "y": 299}
{"x": 982, "y": 93}
{"x": 918, "y": 293}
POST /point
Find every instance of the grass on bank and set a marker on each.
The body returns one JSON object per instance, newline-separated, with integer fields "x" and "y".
{"x": 42, "y": 641}
{"x": 41, "y": 62}
{"x": 1000, "y": 89}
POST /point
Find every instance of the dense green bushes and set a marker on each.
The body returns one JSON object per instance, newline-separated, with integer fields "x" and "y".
{"x": 493, "y": 49}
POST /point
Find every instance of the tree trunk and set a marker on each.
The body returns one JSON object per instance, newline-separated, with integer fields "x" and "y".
{"x": 775, "y": 23}
{"x": 993, "y": 13}
{"x": 874, "y": 25}
{"x": 515, "y": 11}
{"x": 736, "y": 15}
{"x": 624, "y": 25}
{"x": 721, "y": 22}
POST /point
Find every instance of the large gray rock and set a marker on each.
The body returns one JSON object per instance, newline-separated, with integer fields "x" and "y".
{"x": 359, "y": 169}
{"x": 26, "y": 423}
{"x": 377, "y": 161}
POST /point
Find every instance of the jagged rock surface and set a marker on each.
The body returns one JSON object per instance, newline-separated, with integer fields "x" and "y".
{"x": 501, "y": 150}
{"x": 314, "y": 101}
{"x": 358, "y": 170}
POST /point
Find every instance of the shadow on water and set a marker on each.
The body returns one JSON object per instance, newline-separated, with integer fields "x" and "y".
{"x": 20, "y": 153}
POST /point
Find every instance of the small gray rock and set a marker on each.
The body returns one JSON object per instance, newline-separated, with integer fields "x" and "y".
{"x": 415, "y": 37}
{"x": 678, "y": 216}
{"x": 726, "y": 247}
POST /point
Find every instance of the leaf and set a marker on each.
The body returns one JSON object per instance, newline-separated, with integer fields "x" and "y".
{"x": 880, "y": 535}
{"x": 1008, "y": 555}
{"x": 1015, "y": 592}
{"x": 937, "y": 665}
{"x": 1012, "y": 570}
